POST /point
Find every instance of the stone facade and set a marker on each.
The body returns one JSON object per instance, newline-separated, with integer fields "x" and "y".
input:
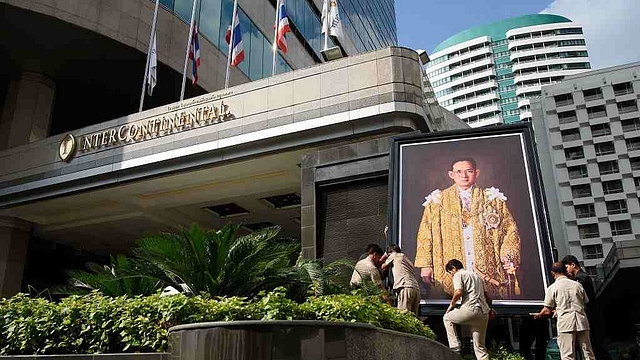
{"x": 370, "y": 93}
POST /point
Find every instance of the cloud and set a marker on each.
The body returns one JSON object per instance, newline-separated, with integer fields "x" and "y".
{"x": 610, "y": 28}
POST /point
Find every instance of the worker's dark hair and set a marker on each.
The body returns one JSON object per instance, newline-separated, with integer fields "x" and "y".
{"x": 454, "y": 264}
{"x": 558, "y": 268}
{"x": 394, "y": 248}
{"x": 570, "y": 259}
{"x": 374, "y": 249}
{"x": 470, "y": 160}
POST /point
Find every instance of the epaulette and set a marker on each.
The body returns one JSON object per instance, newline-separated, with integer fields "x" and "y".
{"x": 435, "y": 196}
{"x": 494, "y": 193}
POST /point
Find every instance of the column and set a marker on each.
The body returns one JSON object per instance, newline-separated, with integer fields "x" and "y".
{"x": 28, "y": 106}
{"x": 14, "y": 241}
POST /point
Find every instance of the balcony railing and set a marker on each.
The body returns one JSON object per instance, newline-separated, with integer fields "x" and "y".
{"x": 597, "y": 114}
{"x": 564, "y": 102}
{"x": 627, "y": 109}
{"x": 625, "y": 91}
{"x": 581, "y": 194}
{"x": 597, "y": 96}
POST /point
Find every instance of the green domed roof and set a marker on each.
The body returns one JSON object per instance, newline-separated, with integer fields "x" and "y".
{"x": 497, "y": 30}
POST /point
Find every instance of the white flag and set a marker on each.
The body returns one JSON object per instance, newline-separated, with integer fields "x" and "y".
{"x": 331, "y": 19}
{"x": 152, "y": 77}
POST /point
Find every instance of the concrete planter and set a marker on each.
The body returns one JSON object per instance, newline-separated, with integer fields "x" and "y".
{"x": 299, "y": 339}
{"x": 119, "y": 356}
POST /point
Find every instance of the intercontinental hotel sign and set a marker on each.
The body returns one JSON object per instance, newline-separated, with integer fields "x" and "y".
{"x": 183, "y": 116}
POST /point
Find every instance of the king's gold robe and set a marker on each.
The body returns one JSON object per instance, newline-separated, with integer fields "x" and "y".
{"x": 495, "y": 236}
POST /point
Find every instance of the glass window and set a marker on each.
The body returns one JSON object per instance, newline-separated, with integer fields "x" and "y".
{"x": 605, "y": 148}
{"x": 612, "y": 187}
{"x": 608, "y": 167}
{"x": 569, "y": 31}
{"x": 570, "y": 135}
{"x": 588, "y": 231}
{"x": 627, "y": 106}
{"x": 590, "y": 252}
{"x": 574, "y": 153}
{"x": 563, "y": 100}
{"x": 635, "y": 164}
{"x": 636, "y": 182}
{"x": 631, "y": 124}
{"x": 281, "y": 65}
{"x": 167, "y": 3}
{"x": 183, "y": 9}
{"x": 597, "y": 111}
{"x": 246, "y": 25}
{"x": 225, "y": 22}
{"x": 600, "y": 130}
{"x": 585, "y": 211}
{"x": 633, "y": 144}
{"x": 567, "y": 117}
{"x": 622, "y": 89}
{"x": 622, "y": 227}
{"x": 267, "y": 58}
{"x": 209, "y": 24}
{"x": 578, "y": 172}
{"x": 616, "y": 207}
{"x": 580, "y": 191}
{"x": 591, "y": 271}
{"x": 257, "y": 49}
{"x": 592, "y": 94}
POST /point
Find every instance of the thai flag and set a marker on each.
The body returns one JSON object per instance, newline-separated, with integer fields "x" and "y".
{"x": 237, "y": 52}
{"x": 195, "y": 46}
{"x": 283, "y": 27}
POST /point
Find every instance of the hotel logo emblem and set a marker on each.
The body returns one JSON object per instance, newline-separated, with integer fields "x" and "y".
{"x": 67, "y": 148}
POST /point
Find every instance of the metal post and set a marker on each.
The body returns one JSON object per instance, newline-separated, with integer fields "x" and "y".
{"x": 233, "y": 27}
{"x": 146, "y": 67}
{"x": 275, "y": 36}
{"x": 325, "y": 24}
{"x": 186, "y": 56}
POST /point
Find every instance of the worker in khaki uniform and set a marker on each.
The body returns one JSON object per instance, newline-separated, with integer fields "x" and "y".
{"x": 568, "y": 298}
{"x": 405, "y": 284}
{"x": 474, "y": 311}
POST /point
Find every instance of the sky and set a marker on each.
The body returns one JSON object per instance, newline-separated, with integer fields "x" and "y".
{"x": 611, "y": 27}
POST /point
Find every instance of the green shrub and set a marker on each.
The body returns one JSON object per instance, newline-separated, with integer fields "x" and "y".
{"x": 497, "y": 353}
{"x": 95, "y": 323}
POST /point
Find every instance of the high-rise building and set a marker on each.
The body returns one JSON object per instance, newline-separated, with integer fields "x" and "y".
{"x": 587, "y": 130}
{"x": 486, "y": 75}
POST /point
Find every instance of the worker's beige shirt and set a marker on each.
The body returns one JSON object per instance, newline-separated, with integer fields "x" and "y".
{"x": 365, "y": 268}
{"x": 568, "y": 298}
{"x": 472, "y": 290}
{"x": 403, "y": 271}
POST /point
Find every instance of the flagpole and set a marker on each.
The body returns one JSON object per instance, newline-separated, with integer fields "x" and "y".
{"x": 275, "y": 36}
{"x": 233, "y": 28}
{"x": 186, "y": 57}
{"x": 146, "y": 67}
{"x": 325, "y": 24}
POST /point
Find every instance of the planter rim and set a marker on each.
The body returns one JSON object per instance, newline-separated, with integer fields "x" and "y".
{"x": 267, "y": 323}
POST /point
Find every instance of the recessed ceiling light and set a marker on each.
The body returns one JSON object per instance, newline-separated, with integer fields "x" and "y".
{"x": 284, "y": 201}
{"x": 230, "y": 209}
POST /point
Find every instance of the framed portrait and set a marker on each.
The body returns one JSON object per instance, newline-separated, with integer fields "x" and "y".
{"x": 476, "y": 196}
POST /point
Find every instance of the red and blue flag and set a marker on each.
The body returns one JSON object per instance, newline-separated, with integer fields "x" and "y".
{"x": 237, "y": 51}
{"x": 194, "y": 54}
{"x": 283, "y": 27}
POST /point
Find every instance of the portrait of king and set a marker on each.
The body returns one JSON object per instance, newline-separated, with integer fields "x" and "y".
{"x": 472, "y": 224}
